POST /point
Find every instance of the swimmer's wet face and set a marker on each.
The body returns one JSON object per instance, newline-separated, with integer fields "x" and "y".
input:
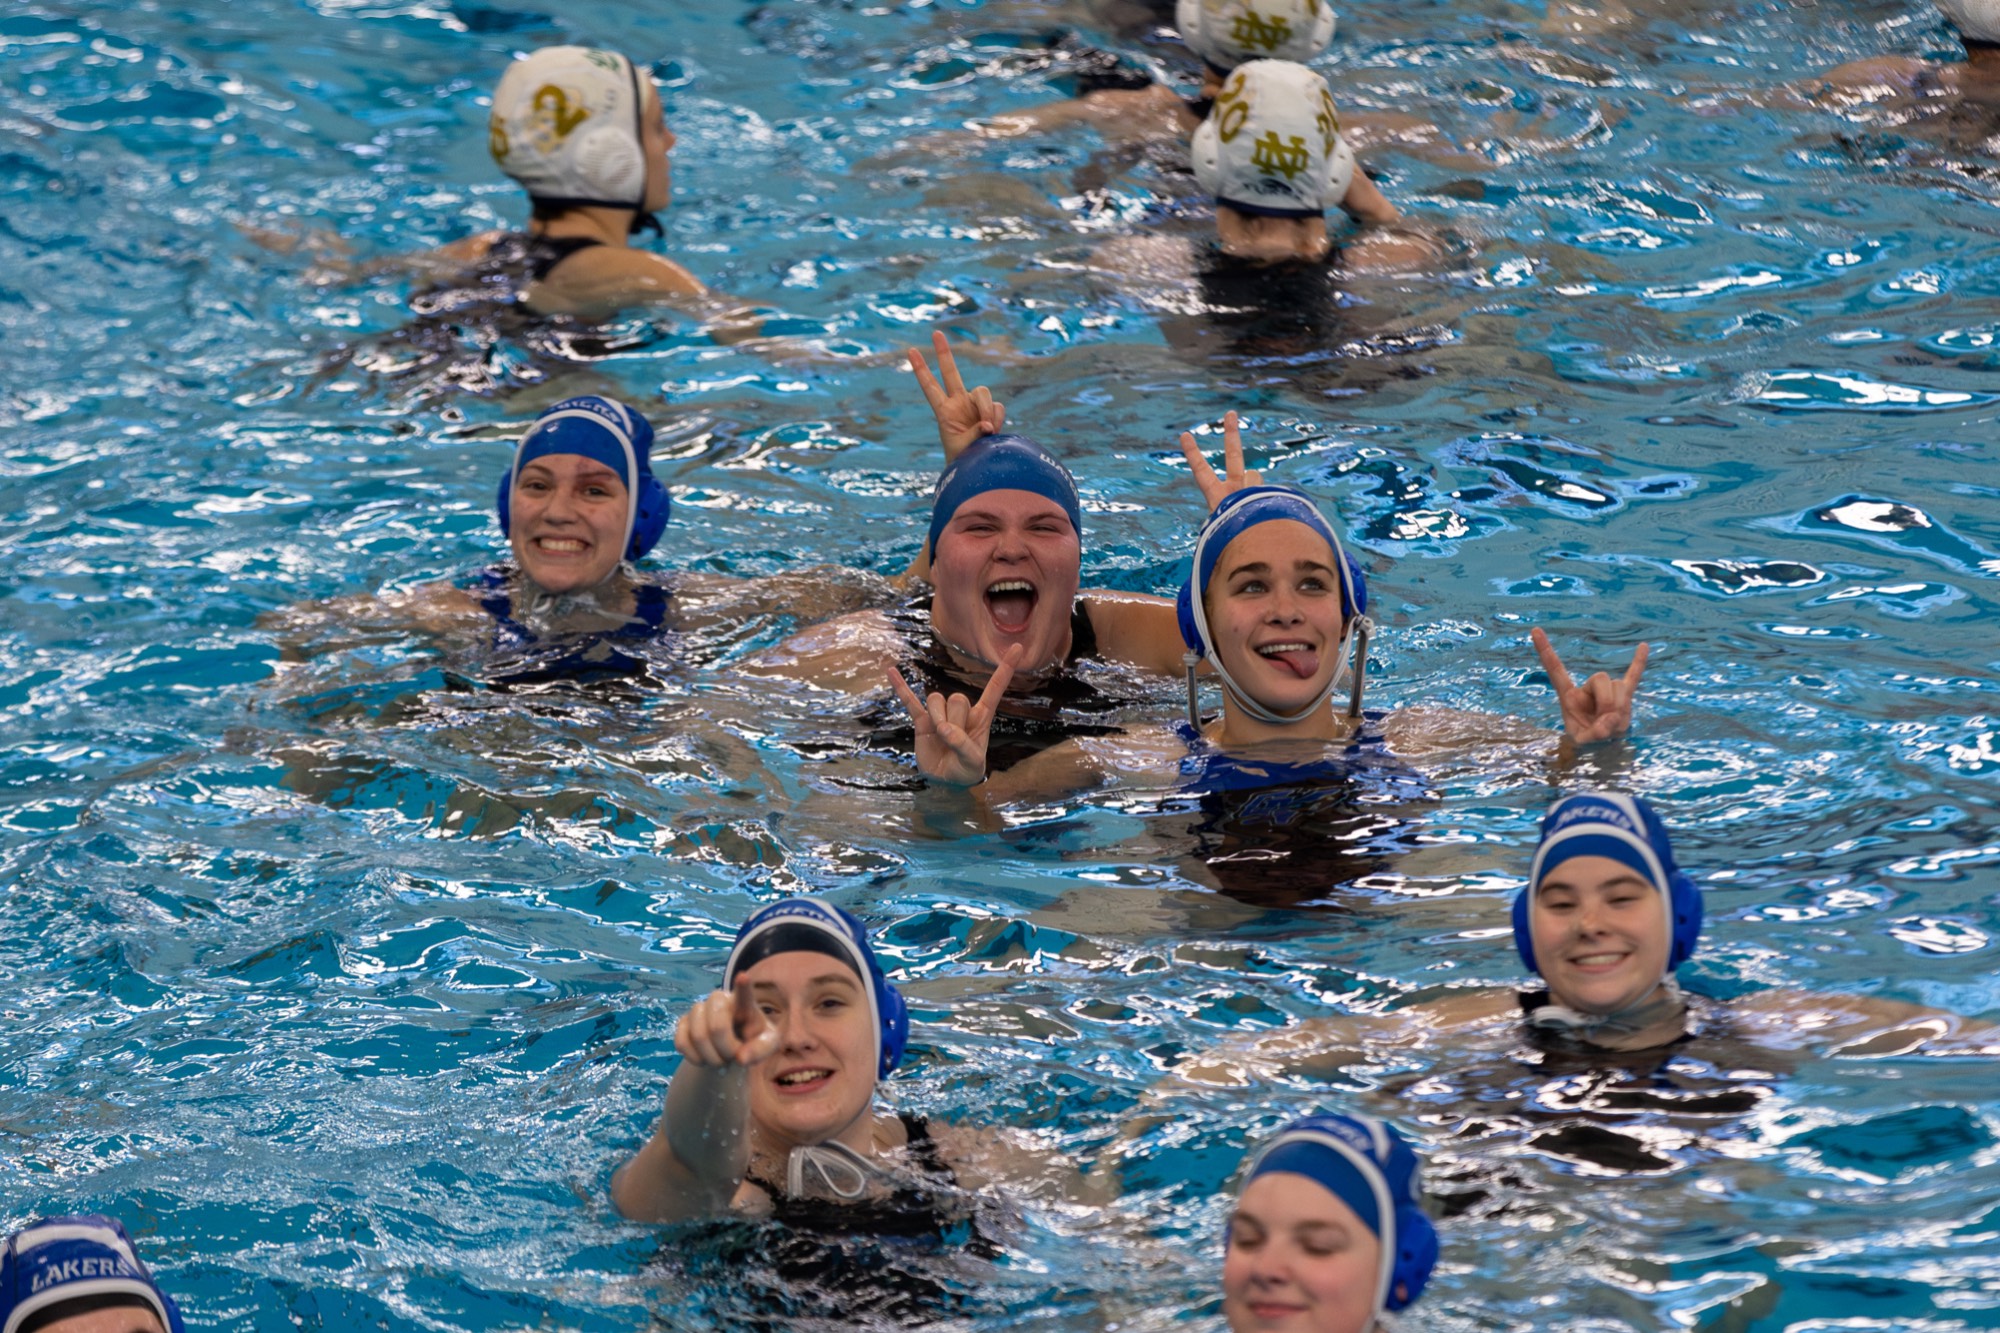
{"x": 820, "y": 1083}
{"x": 1299, "y": 1260}
{"x": 1273, "y": 608}
{"x": 658, "y": 141}
{"x": 1600, "y": 934}
{"x": 1006, "y": 570}
{"x": 568, "y": 522}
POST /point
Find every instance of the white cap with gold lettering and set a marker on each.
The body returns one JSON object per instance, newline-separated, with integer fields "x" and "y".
{"x": 1272, "y": 145}
{"x": 1225, "y": 33}
{"x": 566, "y": 123}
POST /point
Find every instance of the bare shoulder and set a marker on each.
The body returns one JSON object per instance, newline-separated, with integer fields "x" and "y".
{"x": 471, "y": 249}
{"x": 844, "y": 653}
{"x": 1136, "y": 628}
{"x": 607, "y": 278}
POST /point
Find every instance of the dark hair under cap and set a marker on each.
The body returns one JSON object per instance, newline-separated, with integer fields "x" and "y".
{"x": 789, "y": 937}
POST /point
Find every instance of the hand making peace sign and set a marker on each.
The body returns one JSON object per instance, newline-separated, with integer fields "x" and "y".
{"x": 952, "y": 732}
{"x": 962, "y": 415}
{"x": 1213, "y": 488}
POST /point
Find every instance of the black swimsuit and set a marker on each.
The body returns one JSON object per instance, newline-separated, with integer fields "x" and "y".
{"x": 513, "y": 263}
{"x": 1030, "y": 719}
{"x": 897, "y": 1257}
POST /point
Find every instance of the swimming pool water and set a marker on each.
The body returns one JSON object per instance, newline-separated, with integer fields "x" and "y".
{"x": 345, "y": 982}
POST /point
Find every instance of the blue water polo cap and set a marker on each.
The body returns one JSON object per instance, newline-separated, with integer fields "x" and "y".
{"x": 1001, "y": 463}
{"x": 1239, "y": 512}
{"x": 1368, "y": 1166}
{"x": 605, "y": 431}
{"x": 810, "y": 926}
{"x": 1625, "y": 829}
{"x": 56, "y": 1260}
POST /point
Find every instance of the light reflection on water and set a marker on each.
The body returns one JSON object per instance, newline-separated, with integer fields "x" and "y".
{"x": 346, "y": 982}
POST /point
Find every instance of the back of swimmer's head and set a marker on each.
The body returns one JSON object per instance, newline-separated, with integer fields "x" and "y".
{"x": 1976, "y": 20}
{"x": 1330, "y": 1218}
{"x": 568, "y": 123}
{"x": 1624, "y": 830}
{"x": 56, "y": 1273}
{"x": 1225, "y": 33}
{"x": 1272, "y": 145}
{"x": 814, "y": 926}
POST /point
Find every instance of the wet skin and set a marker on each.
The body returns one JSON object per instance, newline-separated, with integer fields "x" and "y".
{"x": 567, "y": 524}
{"x": 1299, "y": 1261}
{"x": 1006, "y": 572}
{"x": 1600, "y": 933}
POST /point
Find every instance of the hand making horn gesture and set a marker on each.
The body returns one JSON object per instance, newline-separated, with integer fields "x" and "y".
{"x": 1600, "y": 709}
{"x": 1235, "y": 476}
{"x": 952, "y": 731}
{"x": 962, "y": 415}
{"x": 725, "y": 1030}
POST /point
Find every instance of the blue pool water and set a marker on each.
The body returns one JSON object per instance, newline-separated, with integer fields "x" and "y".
{"x": 345, "y": 984}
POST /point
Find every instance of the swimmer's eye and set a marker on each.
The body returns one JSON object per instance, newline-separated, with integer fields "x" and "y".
{"x": 1556, "y": 902}
{"x": 831, "y": 1003}
{"x": 1050, "y": 527}
{"x": 1251, "y": 588}
{"x": 1322, "y": 1244}
{"x": 1312, "y": 583}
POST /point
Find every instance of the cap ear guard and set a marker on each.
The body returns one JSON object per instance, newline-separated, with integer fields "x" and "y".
{"x": 1416, "y": 1256}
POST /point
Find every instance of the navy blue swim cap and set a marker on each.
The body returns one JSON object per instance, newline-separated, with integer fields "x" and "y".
{"x": 1368, "y": 1166}
{"x": 1625, "y": 829}
{"x": 1002, "y": 463}
{"x": 55, "y": 1260}
{"x": 608, "y": 432}
{"x": 809, "y": 925}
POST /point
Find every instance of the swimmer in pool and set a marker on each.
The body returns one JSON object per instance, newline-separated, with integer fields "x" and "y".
{"x": 80, "y": 1275}
{"x": 1329, "y": 1232}
{"x": 1605, "y": 920}
{"x": 772, "y": 1110}
{"x": 996, "y": 584}
{"x": 579, "y": 504}
{"x": 1957, "y": 102}
{"x": 584, "y": 133}
{"x": 1275, "y": 608}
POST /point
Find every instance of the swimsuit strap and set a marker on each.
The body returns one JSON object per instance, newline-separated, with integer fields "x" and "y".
{"x": 1082, "y": 634}
{"x": 545, "y": 252}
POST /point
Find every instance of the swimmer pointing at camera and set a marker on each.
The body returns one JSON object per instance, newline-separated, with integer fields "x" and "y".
{"x": 772, "y": 1111}
{"x": 583, "y": 131}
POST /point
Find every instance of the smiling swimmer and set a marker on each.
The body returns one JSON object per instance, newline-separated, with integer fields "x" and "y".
{"x": 1274, "y": 605}
{"x": 80, "y": 1275}
{"x": 582, "y": 130}
{"x": 771, "y": 1111}
{"x": 1329, "y": 1232}
{"x": 578, "y": 502}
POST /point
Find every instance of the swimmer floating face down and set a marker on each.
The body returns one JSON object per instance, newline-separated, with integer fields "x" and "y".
{"x": 1606, "y": 916}
{"x": 1006, "y": 553}
{"x": 580, "y": 498}
{"x": 1328, "y": 1232}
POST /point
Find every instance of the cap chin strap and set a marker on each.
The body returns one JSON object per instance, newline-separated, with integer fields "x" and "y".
{"x": 1358, "y": 631}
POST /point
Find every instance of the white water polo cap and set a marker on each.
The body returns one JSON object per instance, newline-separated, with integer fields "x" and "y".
{"x": 1976, "y": 20}
{"x": 1272, "y": 145}
{"x": 568, "y": 123}
{"x": 1225, "y": 33}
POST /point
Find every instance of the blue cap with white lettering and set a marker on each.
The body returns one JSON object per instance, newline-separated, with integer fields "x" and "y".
{"x": 58, "y": 1260}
